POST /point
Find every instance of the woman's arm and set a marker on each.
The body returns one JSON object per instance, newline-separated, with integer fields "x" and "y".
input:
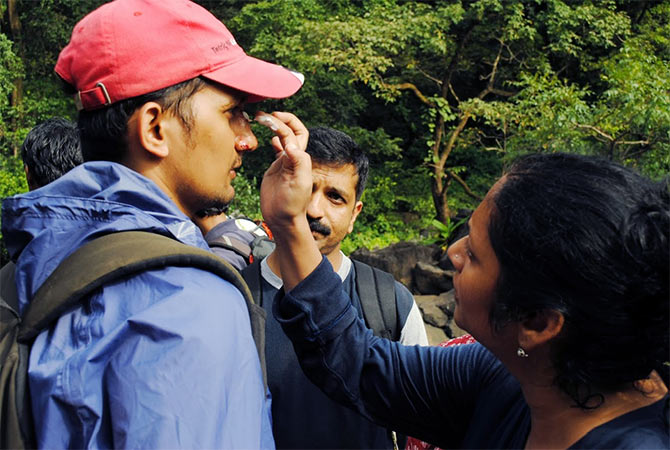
{"x": 427, "y": 392}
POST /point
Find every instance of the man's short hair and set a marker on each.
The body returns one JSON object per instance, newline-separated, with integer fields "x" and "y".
{"x": 104, "y": 131}
{"x": 50, "y": 150}
{"x": 328, "y": 146}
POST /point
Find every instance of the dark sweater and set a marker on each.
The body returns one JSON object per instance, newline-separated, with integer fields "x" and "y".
{"x": 302, "y": 415}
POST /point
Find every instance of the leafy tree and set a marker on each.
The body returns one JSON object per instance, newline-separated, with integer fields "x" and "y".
{"x": 622, "y": 115}
{"x": 499, "y": 75}
{"x": 11, "y": 70}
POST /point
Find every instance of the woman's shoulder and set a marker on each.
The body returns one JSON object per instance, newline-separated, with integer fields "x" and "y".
{"x": 644, "y": 428}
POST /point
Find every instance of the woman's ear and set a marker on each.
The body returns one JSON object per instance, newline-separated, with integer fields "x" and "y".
{"x": 539, "y": 329}
{"x": 151, "y": 121}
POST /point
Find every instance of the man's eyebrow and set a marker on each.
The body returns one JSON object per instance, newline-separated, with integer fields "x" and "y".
{"x": 338, "y": 191}
{"x": 235, "y": 100}
{"x": 232, "y": 103}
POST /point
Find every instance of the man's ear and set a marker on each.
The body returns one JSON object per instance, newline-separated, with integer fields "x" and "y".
{"x": 357, "y": 210}
{"x": 539, "y": 329}
{"x": 152, "y": 123}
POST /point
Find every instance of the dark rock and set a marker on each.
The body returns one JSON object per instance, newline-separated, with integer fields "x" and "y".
{"x": 398, "y": 259}
{"x": 435, "y": 335}
{"x": 431, "y": 312}
{"x": 447, "y": 303}
{"x": 430, "y": 279}
{"x": 454, "y": 331}
{"x": 443, "y": 262}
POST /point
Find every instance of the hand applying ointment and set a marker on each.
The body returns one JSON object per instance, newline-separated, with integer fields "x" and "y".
{"x": 285, "y": 193}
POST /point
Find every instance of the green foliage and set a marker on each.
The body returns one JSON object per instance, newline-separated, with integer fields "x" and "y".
{"x": 542, "y": 116}
{"x": 12, "y": 176}
{"x": 444, "y": 231}
{"x": 247, "y": 200}
{"x": 11, "y": 69}
{"x": 395, "y": 208}
{"x": 581, "y": 31}
{"x": 12, "y": 182}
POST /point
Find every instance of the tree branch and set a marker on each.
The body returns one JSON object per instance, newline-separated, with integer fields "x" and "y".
{"x": 502, "y": 92}
{"x": 411, "y": 87}
{"x": 597, "y": 131}
{"x": 448, "y": 147}
{"x": 429, "y": 76}
{"x": 464, "y": 185}
{"x": 451, "y": 89}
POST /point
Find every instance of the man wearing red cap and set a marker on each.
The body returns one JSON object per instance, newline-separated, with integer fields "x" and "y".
{"x": 163, "y": 359}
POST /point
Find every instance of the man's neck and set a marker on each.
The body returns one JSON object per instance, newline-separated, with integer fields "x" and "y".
{"x": 334, "y": 257}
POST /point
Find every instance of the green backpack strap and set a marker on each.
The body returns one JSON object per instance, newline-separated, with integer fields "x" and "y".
{"x": 122, "y": 254}
{"x": 376, "y": 290}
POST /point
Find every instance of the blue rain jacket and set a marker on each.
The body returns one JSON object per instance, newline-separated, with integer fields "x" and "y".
{"x": 164, "y": 359}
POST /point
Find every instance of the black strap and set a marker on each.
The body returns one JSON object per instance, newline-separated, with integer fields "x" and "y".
{"x": 376, "y": 290}
{"x": 9, "y": 299}
{"x": 252, "y": 275}
{"x": 117, "y": 255}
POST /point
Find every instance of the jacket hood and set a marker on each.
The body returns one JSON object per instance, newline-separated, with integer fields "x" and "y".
{"x": 42, "y": 227}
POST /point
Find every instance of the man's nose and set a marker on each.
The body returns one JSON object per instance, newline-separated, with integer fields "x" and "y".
{"x": 455, "y": 253}
{"x": 314, "y": 207}
{"x": 245, "y": 140}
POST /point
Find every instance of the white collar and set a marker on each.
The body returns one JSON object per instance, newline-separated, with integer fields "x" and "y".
{"x": 276, "y": 282}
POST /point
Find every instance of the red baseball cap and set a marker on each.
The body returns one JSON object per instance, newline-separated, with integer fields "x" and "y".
{"x": 128, "y": 48}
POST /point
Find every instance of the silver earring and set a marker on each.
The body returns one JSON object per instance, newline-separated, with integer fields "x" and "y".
{"x": 521, "y": 353}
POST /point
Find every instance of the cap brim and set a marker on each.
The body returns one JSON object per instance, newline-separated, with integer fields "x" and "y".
{"x": 258, "y": 78}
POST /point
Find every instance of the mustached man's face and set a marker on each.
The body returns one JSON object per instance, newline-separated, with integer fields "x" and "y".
{"x": 333, "y": 208}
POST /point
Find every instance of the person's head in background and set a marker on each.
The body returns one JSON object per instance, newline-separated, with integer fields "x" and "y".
{"x": 339, "y": 173}
{"x": 169, "y": 108}
{"x": 50, "y": 149}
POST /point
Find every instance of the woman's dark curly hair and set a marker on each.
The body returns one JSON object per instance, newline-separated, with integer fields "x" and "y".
{"x": 589, "y": 238}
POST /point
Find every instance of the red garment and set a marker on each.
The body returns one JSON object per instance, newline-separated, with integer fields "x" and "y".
{"x": 414, "y": 443}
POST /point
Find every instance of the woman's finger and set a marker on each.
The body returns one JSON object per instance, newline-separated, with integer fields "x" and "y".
{"x": 290, "y": 132}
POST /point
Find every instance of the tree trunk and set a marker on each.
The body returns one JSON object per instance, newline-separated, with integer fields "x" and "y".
{"x": 438, "y": 189}
{"x": 17, "y": 93}
{"x": 439, "y": 192}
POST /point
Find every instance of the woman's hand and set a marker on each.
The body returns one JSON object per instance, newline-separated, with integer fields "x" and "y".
{"x": 285, "y": 193}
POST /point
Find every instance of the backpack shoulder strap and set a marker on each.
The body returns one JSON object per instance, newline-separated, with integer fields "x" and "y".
{"x": 119, "y": 255}
{"x": 252, "y": 275}
{"x": 376, "y": 290}
{"x": 261, "y": 247}
{"x": 16, "y": 430}
{"x": 232, "y": 244}
{"x": 9, "y": 299}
